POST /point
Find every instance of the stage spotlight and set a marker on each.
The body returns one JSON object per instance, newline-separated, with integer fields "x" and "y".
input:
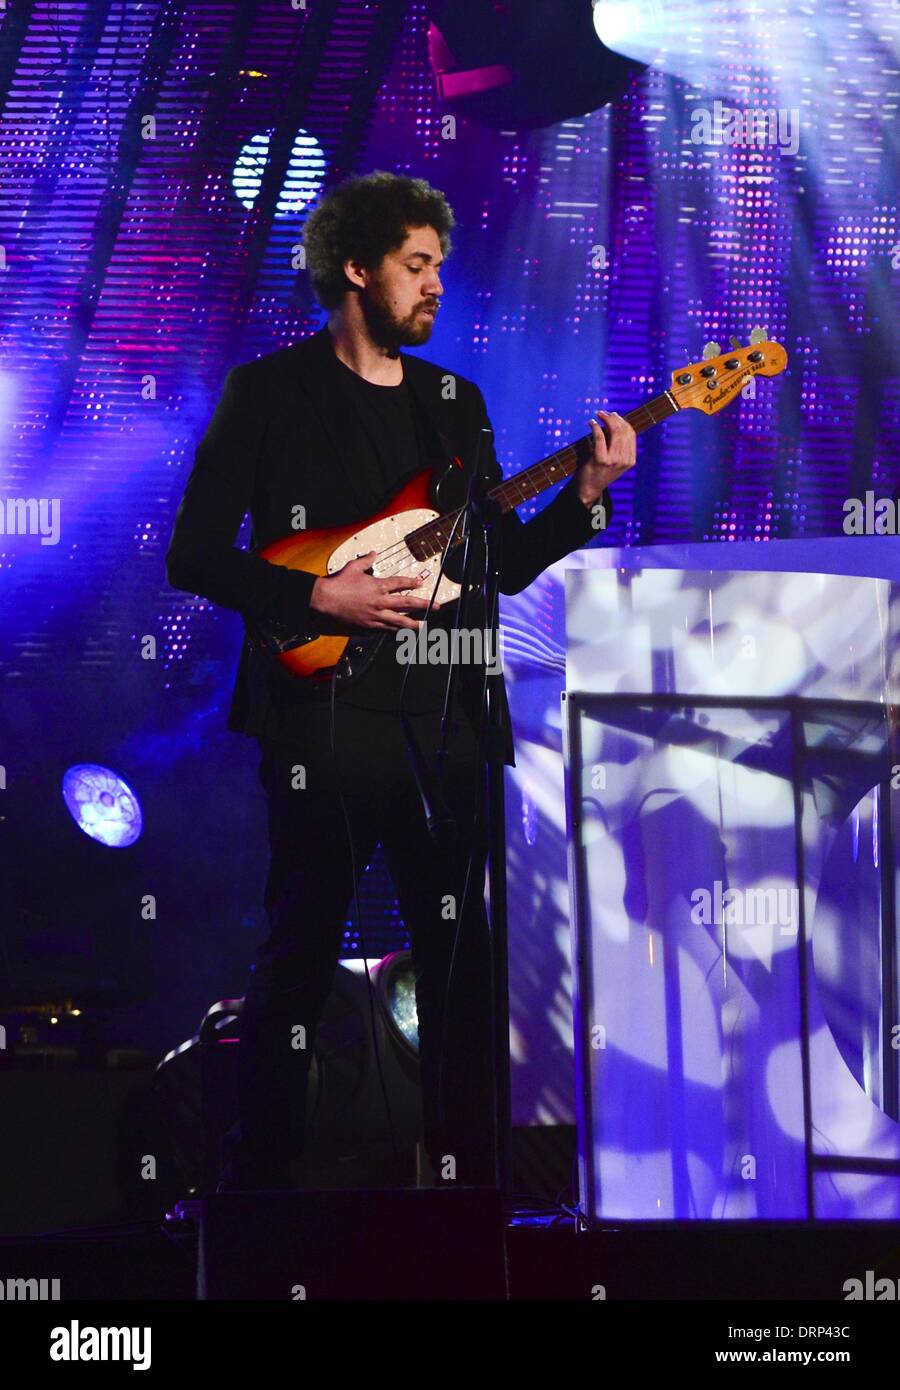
{"x": 395, "y": 983}
{"x": 303, "y": 181}
{"x": 620, "y": 23}
{"x": 102, "y": 805}
{"x": 349, "y": 1142}
{"x": 726, "y": 53}
{"x": 523, "y": 64}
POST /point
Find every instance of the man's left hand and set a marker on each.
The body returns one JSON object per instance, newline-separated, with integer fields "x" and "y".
{"x": 614, "y": 452}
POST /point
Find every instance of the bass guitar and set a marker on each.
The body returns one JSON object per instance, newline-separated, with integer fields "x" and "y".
{"x": 411, "y": 535}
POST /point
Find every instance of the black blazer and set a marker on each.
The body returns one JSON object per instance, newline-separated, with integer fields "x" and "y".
{"x": 281, "y": 437}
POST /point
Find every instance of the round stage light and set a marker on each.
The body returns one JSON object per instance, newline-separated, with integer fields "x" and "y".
{"x": 303, "y": 181}
{"x": 102, "y": 805}
{"x": 615, "y": 21}
{"x": 395, "y": 983}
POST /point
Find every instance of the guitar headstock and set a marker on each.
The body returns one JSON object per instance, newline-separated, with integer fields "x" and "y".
{"x": 712, "y": 384}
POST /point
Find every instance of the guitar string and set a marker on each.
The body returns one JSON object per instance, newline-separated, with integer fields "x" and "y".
{"x": 438, "y": 522}
{"x": 401, "y": 553}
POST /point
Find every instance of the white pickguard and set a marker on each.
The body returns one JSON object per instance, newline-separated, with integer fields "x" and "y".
{"x": 386, "y": 535}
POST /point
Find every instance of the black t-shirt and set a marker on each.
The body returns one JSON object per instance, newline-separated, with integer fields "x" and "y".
{"x": 389, "y": 421}
{"x": 396, "y": 452}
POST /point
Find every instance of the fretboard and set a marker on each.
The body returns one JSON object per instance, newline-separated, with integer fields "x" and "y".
{"x": 432, "y": 538}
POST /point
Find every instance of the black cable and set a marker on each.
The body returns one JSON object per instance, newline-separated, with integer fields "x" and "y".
{"x": 480, "y": 799}
{"x": 107, "y": 86}
{"x": 404, "y": 718}
{"x": 478, "y": 812}
{"x": 54, "y": 24}
{"x": 411, "y": 740}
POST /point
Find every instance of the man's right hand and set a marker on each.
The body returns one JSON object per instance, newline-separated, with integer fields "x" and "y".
{"x": 352, "y": 599}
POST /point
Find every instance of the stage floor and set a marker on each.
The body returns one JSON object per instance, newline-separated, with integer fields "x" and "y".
{"x": 547, "y": 1259}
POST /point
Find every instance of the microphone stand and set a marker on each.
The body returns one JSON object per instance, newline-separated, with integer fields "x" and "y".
{"x": 494, "y": 754}
{"x": 481, "y": 516}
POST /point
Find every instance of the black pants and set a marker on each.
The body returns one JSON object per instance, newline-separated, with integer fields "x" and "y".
{"x": 308, "y": 892}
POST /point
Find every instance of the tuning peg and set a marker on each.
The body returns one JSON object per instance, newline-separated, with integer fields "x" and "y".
{"x": 759, "y": 335}
{"x": 711, "y": 350}
{"x": 733, "y": 344}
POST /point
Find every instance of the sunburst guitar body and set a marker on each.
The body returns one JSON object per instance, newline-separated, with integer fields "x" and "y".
{"x": 327, "y": 551}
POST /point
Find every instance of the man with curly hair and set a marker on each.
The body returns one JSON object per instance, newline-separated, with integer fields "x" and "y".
{"x": 335, "y": 424}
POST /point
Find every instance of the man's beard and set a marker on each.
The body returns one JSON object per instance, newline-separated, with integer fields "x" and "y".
{"x": 392, "y": 333}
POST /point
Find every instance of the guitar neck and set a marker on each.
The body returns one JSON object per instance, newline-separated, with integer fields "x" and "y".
{"x": 434, "y": 536}
{"x": 536, "y": 479}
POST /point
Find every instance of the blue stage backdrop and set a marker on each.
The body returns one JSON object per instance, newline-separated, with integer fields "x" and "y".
{"x": 157, "y": 162}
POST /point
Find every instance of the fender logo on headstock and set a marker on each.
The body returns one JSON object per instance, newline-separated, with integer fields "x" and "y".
{"x": 724, "y": 394}
{"x": 709, "y": 385}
